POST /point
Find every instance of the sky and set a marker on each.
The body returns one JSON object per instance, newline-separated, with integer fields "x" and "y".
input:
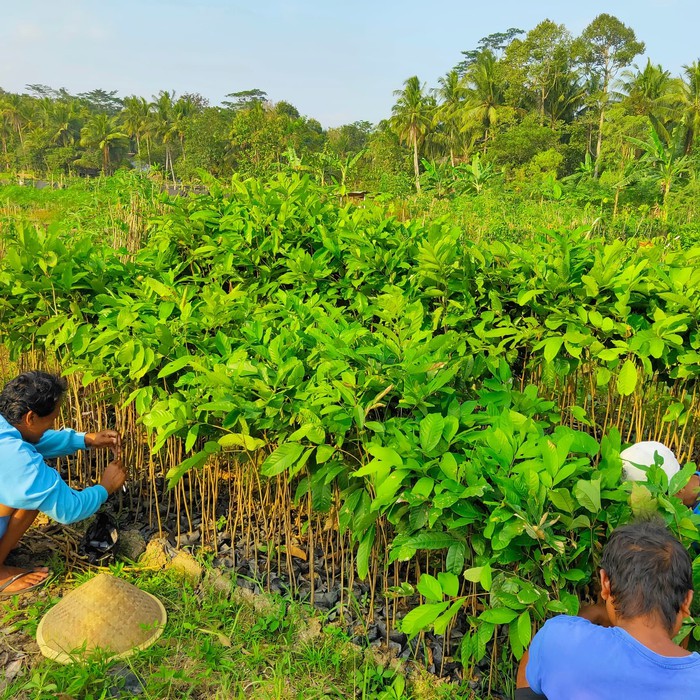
{"x": 337, "y": 62}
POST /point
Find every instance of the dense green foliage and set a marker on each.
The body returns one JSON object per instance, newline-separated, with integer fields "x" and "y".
{"x": 465, "y": 396}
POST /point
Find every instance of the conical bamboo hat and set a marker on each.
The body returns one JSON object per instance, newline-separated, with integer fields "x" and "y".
{"x": 105, "y": 613}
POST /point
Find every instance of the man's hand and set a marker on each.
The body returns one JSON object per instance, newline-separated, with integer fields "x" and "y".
{"x": 105, "y": 438}
{"x": 114, "y": 476}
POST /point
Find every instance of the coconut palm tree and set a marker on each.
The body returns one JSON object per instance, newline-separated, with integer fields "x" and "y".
{"x": 451, "y": 95}
{"x": 648, "y": 91}
{"x": 16, "y": 110}
{"x": 485, "y": 96}
{"x": 412, "y": 118}
{"x": 135, "y": 116}
{"x": 103, "y": 132}
{"x": 689, "y": 99}
{"x": 63, "y": 122}
{"x": 163, "y": 125}
{"x": 565, "y": 98}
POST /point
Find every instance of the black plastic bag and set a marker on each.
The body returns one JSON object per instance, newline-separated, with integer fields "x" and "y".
{"x": 100, "y": 538}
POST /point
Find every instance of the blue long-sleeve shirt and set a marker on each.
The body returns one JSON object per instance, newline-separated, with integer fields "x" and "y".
{"x": 27, "y": 482}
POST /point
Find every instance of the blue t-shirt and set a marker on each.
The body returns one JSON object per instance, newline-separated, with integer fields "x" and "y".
{"x": 573, "y": 659}
{"x": 26, "y": 481}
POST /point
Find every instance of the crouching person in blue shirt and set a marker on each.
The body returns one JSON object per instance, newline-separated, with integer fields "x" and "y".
{"x": 622, "y": 647}
{"x": 29, "y": 406}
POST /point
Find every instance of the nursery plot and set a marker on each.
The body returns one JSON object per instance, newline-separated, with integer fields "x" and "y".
{"x": 356, "y": 407}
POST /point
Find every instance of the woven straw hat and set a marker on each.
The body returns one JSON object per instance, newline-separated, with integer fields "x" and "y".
{"x": 105, "y": 613}
{"x": 642, "y": 454}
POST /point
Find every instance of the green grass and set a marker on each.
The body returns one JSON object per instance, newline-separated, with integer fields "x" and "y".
{"x": 214, "y": 647}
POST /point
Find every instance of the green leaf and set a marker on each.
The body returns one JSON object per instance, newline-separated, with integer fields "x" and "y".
{"x": 178, "y": 471}
{"x": 386, "y": 455}
{"x": 174, "y": 366}
{"x": 455, "y": 558}
{"x": 324, "y": 453}
{"x": 498, "y": 616}
{"x": 587, "y": 493}
{"x": 643, "y": 504}
{"x": 431, "y": 428}
{"x": 448, "y": 466}
{"x": 422, "y": 617}
{"x": 681, "y": 478}
{"x": 241, "y": 440}
{"x": 283, "y": 458}
{"x": 388, "y": 487}
{"x": 627, "y": 379}
{"x": 442, "y": 623}
{"x": 525, "y": 628}
{"x": 449, "y": 583}
{"x": 526, "y": 295}
{"x": 480, "y": 574}
{"x": 423, "y": 487}
{"x": 430, "y": 588}
{"x": 552, "y": 347}
{"x": 363, "y": 552}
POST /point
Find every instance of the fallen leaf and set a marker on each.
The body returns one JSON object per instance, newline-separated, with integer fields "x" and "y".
{"x": 296, "y": 552}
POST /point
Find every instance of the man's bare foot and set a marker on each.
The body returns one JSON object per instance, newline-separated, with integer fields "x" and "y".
{"x": 33, "y": 577}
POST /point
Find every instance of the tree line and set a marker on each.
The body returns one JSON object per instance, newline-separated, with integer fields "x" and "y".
{"x": 524, "y": 104}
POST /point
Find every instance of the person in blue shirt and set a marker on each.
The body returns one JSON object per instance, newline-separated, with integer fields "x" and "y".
{"x": 622, "y": 647}
{"x": 29, "y": 406}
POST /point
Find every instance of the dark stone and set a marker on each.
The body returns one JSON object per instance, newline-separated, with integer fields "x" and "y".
{"x": 130, "y": 683}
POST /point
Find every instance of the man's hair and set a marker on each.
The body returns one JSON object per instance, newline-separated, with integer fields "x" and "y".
{"x": 649, "y": 570}
{"x": 32, "y": 391}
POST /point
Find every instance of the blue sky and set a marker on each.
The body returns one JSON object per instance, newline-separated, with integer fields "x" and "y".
{"x": 336, "y": 61}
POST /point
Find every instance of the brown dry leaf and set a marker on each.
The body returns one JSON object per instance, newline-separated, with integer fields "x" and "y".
{"x": 296, "y": 552}
{"x": 12, "y": 669}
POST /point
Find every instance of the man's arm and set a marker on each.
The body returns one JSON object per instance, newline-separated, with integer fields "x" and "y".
{"x": 523, "y": 690}
{"x": 36, "y": 486}
{"x": 60, "y": 443}
{"x": 521, "y": 679}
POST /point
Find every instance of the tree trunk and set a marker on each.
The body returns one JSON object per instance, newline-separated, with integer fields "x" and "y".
{"x": 599, "y": 143}
{"x": 542, "y": 99}
{"x": 603, "y": 105}
{"x": 415, "y": 161}
{"x": 105, "y": 158}
{"x": 452, "y": 157}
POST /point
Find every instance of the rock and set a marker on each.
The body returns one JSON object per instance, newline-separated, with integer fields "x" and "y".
{"x": 155, "y": 555}
{"x": 186, "y": 565}
{"x": 219, "y": 583}
{"x": 310, "y": 632}
{"x": 131, "y": 544}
